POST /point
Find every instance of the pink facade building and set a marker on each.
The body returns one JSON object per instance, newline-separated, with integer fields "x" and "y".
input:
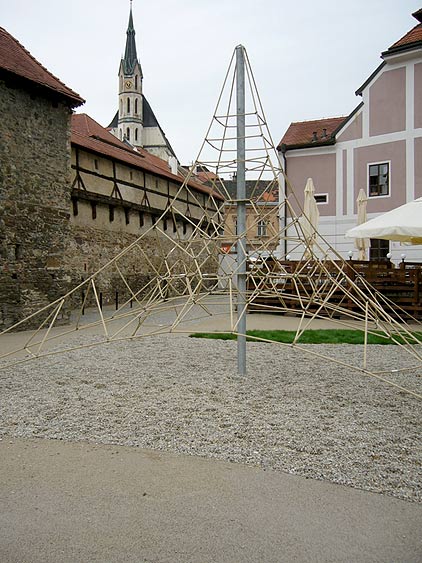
{"x": 378, "y": 147}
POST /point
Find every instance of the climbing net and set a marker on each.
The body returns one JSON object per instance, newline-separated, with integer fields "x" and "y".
{"x": 194, "y": 277}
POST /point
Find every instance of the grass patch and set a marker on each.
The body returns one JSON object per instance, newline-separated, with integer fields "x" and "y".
{"x": 309, "y": 336}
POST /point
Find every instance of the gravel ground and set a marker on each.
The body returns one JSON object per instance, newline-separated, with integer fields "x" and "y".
{"x": 293, "y": 412}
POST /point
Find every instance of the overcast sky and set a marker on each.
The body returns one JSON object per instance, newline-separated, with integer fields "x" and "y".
{"x": 308, "y": 56}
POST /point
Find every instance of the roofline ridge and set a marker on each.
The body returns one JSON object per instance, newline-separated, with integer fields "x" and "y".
{"x": 75, "y": 94}
{"x": 319, "y": 119}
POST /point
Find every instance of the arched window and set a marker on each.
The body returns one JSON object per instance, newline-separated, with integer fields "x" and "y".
{"x": 136, "y": 82}
{"x": 136, "y": 105}
{"x": 128, "y": 105}
{"x": 136, "y": 134}
{"x": 128, "y": 134}
{"x": 121, "y": 108}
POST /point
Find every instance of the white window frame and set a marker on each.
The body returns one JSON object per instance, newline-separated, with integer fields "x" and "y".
{"x": 368, "y": 193}
{"x": 327, "y": 196}
{"x": 261, "y": 228}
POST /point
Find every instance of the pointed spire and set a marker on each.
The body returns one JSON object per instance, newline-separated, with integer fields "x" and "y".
{"x": 130, "y": 58}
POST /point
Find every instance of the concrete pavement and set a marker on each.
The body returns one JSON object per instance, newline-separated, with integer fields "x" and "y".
{"x": 71, "y": 503}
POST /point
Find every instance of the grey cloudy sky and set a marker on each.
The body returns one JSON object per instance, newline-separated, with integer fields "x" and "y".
{"x": 308, "y": 56}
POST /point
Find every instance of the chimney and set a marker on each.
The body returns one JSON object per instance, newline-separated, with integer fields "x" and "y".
{"x": 173, "y": 165}
{"x": 314, "y": 137}
{"x": 324, "y": 134}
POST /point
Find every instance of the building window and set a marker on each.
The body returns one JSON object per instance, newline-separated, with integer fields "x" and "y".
{"x": 262, "y": 228}
{"x": 136, "y": 134}
{"x": 141, "y": 219}
{"x": 136, "y": 105}
{"x": 321, "y": 198}
{"x": 379, "y": 249}
{"x": 235, "y": 226}
{"x": 127, "y": 215}
{"x": 165, "y": 224}
{"x": 75, "y": 206}
{"x": 93, "y": 209}
{"x": 128, "y": 105}
{"x": 18, "y": 251}
{"x": 111, "y": 213}
{"x": 96, "y": 165}
{"x": 379, "y": 179}
{"x": 128, "y": 134}
{"x": 185, "y": 226}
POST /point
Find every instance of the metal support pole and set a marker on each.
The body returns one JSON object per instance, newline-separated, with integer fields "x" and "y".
{"x": 241, "y": 211}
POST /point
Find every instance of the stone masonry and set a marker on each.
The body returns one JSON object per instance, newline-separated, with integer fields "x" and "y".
{"x": 34, "y": 200}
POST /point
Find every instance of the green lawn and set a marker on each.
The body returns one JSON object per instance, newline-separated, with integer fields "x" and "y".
{"x": 308, "y": 337}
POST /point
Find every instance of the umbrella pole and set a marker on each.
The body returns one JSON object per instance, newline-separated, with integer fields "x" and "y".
{"x": 241, "y": 211}
{"x": 365, "y": 347}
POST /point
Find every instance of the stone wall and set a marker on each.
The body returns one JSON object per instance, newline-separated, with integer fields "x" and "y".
{"x": 34, "y": 200}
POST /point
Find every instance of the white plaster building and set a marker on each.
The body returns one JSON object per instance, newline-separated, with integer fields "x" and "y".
{"x": 378, "y": 147}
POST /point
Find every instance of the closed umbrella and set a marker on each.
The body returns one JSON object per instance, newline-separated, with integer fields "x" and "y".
{"x": 310, "y": 218}
{"x": 361, "y": 243}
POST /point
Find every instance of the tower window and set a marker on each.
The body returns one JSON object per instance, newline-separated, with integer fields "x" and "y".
{"x": 75, "y": 206}
{"x": 93, "y": 209}
{"x": 136, "y": 134}
{"x": 128, "y": 134}
{"x": 18, "y": 252}
{"x": 110, "y": 213}
{"x": 141, "y": 219}
{"x": 136, "y": 105}
{"x": 127, "y": 215}
{"x": 120, "y": 134}
{"x": 128, "y": 105}
{"x": 136, "y": 82}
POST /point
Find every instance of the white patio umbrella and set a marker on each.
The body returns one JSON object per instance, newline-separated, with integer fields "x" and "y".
{"x": 361, "y": 243}
{"x": 403, "y": 224}
{"x": 310, "y": 217}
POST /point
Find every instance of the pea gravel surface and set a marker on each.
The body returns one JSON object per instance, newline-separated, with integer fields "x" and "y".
{"x": 293, "y": 412}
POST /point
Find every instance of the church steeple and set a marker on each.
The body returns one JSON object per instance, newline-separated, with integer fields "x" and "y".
{"x": 130, "y": 58}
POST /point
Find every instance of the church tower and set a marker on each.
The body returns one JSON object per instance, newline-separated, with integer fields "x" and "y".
{"x": 135, "y": 120}
{"x": 130, "y": 120}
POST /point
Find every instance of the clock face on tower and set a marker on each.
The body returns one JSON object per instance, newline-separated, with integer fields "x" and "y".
{"x": 128, "y": 84}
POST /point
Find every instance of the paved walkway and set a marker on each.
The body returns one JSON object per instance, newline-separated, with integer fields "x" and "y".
{"x": 197, "y": 320}
{"x": 70, "y": 503}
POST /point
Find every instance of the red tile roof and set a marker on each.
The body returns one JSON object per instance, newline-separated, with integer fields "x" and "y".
{"x": 270, "y": 196}
{"x": 206, "y": 176}
{"x": 90, "y": 135}
{"x": 413, "y": 36}
{"x": 14, "y": 58}
{"x": 310, "y": 133}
